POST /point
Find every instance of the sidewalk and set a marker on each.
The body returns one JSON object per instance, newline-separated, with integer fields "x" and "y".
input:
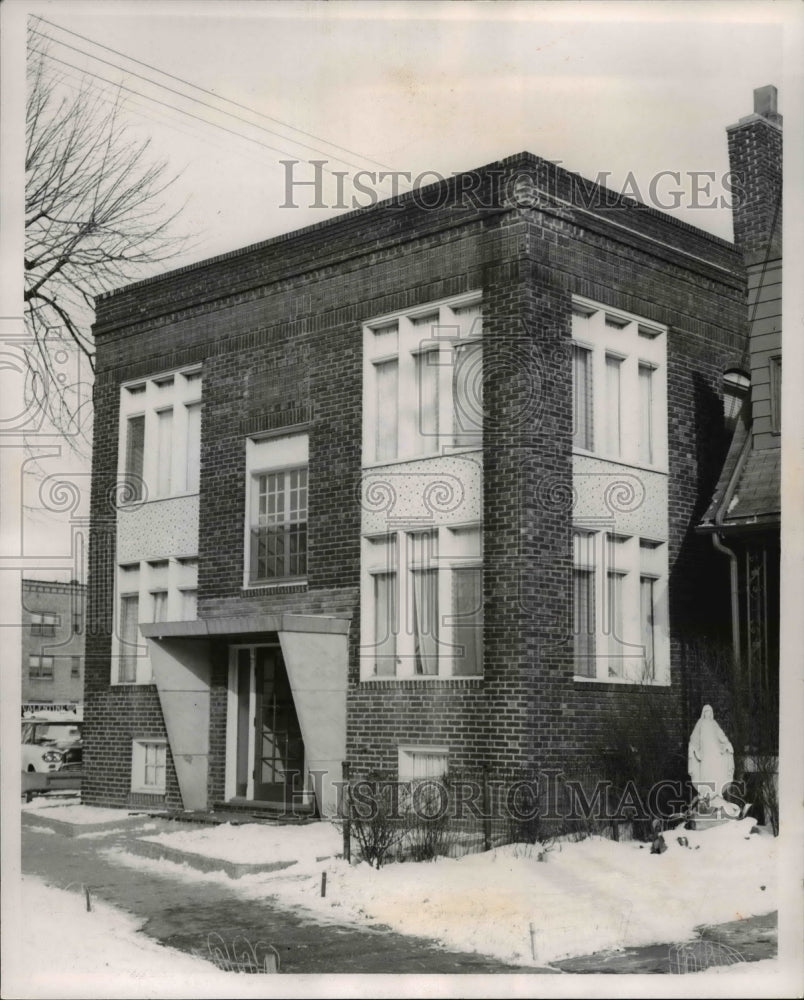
{"x": 181, "y": 914}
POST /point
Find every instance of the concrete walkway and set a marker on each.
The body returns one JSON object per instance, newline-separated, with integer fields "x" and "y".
{"x": 181, "y": 914}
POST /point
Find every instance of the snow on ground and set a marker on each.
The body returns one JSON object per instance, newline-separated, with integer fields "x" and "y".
{"x": 75, "y": 953}
{"x": 73, "y": 812}
{"x": 260, "y": 843}
{"x": 583, "y": 897}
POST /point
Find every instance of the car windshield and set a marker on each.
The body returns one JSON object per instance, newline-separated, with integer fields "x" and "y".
{"x": 50, "y": 732}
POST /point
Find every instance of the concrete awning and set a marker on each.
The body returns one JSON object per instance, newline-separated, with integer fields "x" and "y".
{"x": 203, "y": 628}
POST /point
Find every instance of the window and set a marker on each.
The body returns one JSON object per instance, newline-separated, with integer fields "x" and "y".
{"x": 158, "y": 590}
{"x": 162, "y": 590}
{"x": 129, "y": 637}
{"x": 44, "y": 623}
{"x": 422, "y": 609}
{"x": 619, "y": 615}
{"x": 40, "y": 668}
{"x": 736, "y": 388}
{"x": 75, "y": 667}
{"x": 419, "y": 763}
{"x": 135, "y": 451}
{"x": 618, "y": 369}
{"x": 423, "y": 375}
{"x": 149, "y": 766}
{"x": 276, "y": 540}
{"x": 279, "y": 536}
{"x": 776, "y": 394}
{"x": 161, "y": 436}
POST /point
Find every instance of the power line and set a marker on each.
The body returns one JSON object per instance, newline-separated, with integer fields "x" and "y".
{"x": 210, "y": 93}
{"x": 187, "y": 97}
{"x": 164, "y": 104}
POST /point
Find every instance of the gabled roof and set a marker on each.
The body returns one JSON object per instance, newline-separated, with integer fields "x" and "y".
{"x": 748, "y": 492}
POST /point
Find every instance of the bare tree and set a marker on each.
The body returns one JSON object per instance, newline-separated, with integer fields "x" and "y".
{"x": 95, "y": 216}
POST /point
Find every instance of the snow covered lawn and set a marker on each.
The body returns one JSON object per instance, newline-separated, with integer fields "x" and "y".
{"x": 253, "y": 843}
{"x": 583, "y": 897}
{"x": 75, "y": 953}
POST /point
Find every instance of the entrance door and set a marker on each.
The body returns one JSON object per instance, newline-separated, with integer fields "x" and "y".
{"x": 268, "y": 732}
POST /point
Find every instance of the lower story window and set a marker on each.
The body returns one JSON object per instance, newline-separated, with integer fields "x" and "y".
{"x": 422, "y": 604}
{"x": 129, "y": 635}
{"x": 619, "y": 608}
{"x": 40, "y": 668}
{"x": 148, "y": 766}
{"x": 419, "y": 763}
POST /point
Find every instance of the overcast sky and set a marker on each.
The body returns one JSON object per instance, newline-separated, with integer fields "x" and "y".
{"x": 638, "y": 88}
{"x": 628, "y": 91}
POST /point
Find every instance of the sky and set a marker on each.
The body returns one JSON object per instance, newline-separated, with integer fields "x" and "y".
{"x": 635, "y": 89}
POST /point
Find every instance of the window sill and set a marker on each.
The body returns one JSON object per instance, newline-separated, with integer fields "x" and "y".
{"x": 660, "y": 469}
{"x": 620, "y": 682}
{"x": 417, "y": 679}
{"x": 135, "y": 504}
{"x": 294, "y": 585}
{"x": 408, "y": 459}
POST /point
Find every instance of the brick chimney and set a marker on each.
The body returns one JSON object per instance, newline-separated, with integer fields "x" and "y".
{"x": 755, "y": 158}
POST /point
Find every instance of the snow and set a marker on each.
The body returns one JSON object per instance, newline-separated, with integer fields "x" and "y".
{"x": 520, "y": 903}
{"x": 78, "y": 814}
{"x": 253, "y": 843}
{"x": 582, "y": 897}
{"x": 75, "y": 953}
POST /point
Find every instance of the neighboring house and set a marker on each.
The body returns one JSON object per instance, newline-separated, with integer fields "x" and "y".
{"x": 52, "y": 643}
{"x": 744, "y": 517}
{"x": 414, "y": 488}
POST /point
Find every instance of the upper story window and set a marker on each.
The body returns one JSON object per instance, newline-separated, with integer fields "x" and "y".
{"x": 619, "y": 386}
{"x": 44, "y": 623}
{"x": 160, "y": 436}
{"x": 736, "y": 389}
{"x": 423, "y": 381}
{"x": 619, "y": 599}
{"x": 276, "y": 511}
{"x": 422, "y": 603}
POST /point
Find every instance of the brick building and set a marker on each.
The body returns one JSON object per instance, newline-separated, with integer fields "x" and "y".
{"x": 413, "y": 488}
{"x": 52, "y": 643}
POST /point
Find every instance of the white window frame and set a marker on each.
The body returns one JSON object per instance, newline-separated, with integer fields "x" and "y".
{"x": 180, "y": 393}
{"x": 454, "y": 547}
{"x": 438, "y": 329}
{"x": 634, "y": 342}
{"x": 409, "y": 757}
{"x": 265, "y": 456}
{"x": 621, "y": 659}
{"x": 139, "y": 754}
{"x": 171, "y": 575}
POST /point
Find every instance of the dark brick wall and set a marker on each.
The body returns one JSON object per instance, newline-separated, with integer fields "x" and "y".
{"x": 755, "y": 158}
{"x": 278, "y": 329}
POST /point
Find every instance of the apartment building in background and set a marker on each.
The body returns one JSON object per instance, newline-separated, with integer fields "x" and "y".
{"x": 52, "y": 643}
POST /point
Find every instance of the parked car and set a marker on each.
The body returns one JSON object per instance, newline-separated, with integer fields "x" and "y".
{"x": 52, "y": 744}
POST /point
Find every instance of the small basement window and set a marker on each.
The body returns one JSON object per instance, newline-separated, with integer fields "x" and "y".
{"x": 148, "y": 766}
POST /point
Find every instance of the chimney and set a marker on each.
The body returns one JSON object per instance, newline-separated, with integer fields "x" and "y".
{"x": 755, "y": 159}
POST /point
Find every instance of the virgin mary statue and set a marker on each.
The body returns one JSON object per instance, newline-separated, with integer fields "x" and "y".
{"x": 710, "y": 757}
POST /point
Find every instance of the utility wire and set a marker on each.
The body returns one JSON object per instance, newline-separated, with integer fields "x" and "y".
{"x": 210, "y": 93}
{"x": 164, "y": 104}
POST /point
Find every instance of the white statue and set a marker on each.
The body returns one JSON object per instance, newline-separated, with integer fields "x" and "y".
{"x": 710, "y": 761}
